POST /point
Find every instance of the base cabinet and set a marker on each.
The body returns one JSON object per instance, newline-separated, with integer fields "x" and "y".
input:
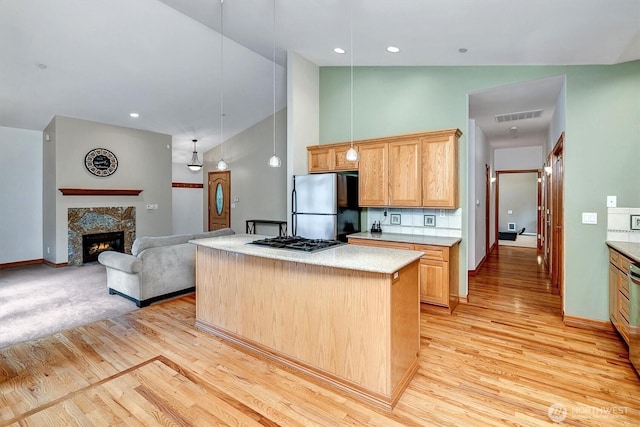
{"x": 619, "y": 292}
{"x": 438, "y": 271}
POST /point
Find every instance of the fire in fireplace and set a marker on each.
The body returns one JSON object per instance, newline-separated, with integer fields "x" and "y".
{"x": 94, "y": 244}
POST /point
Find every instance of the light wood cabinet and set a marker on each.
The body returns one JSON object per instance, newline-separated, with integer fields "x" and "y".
{"x": 438, "y": 271}
{"x": 329, "y": 158}
{"x": 416, "y": 170}
{"x": 619, "y": 292}
{"x": 320, "y": 159}
{"x": 439, "y": 280}
{"x": 405, "y": 173}
{"x": 440, "y": 170}
{"x": 373, "y": 175}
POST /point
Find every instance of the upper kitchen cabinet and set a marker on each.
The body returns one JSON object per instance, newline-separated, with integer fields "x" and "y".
{"x": 373, "y": 174}
{"x": 405, "y": 173}
{"x": 440, "y": 169}
{"x": 329, "y": 158}
{"x": 416, "y": 170}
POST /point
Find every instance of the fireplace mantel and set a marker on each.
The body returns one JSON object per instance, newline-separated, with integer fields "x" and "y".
{"x": 98, "y": 192}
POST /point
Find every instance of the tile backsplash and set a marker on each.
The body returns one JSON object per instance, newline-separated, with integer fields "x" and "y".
{"x": 424, "y": 222}
{"x": 619, "y": 225}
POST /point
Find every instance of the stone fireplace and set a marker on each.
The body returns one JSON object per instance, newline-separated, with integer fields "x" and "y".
{"x": 98, "y": 221}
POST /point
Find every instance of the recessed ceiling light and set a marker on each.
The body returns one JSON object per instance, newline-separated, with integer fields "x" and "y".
{"x": 463, "y": 50}
{"x": 134, "y": 115}
{"x": 339, "y": 50}
{"x": 513, "y": 128}
{"x": 42, "y": 66}
{"x": 393, "y": 49}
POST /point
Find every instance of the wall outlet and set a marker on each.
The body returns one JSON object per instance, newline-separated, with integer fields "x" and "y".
{"x": 442, "y": 214}
{"x": 154, "y": 206}
{"x": 612, "y": 201}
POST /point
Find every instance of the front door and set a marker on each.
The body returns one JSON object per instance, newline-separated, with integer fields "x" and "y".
{"x": 219, "y": 212}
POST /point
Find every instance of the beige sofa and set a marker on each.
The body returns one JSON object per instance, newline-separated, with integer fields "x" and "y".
{"x": 158, "y": 267}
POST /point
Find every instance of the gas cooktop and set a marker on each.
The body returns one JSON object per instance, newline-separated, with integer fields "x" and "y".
{"x": 297, "y": 243}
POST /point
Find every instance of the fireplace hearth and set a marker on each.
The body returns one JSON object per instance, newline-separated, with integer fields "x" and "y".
{"x": 96, "y": 243}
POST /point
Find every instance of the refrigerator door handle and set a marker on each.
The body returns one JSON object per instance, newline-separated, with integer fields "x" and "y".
{"x": 294, "y": 225}
{"x": 294, "y": 201}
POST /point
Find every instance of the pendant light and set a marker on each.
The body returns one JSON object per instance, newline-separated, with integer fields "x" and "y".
{"x": 274, "y": 160}
{"x": 222, "y": 165}
{"x": 352, "y": 154}
{"x": 195, "y": 164}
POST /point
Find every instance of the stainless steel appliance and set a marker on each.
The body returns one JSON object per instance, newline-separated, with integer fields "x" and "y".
{"x": 297, "y": 243}
{"x": 325, "y": 206}
{"x": 634, "y": 315}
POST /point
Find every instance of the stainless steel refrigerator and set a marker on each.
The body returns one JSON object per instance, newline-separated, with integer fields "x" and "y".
{"x": 325, "y": 206}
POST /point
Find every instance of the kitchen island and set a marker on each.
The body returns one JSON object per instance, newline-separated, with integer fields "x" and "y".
{"x": 347, "y": 315}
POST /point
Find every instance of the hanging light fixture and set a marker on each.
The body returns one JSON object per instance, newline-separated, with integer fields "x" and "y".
{"x": 195, "y": 164}
{"x": 274, "y": 160}
{"x": 222, "y": 165}
{"x": 352, "y": 154}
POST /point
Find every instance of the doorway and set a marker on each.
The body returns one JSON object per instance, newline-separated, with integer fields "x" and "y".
{"x": 557, "y": 216}
{"x": 518, "y": 195}
{"x": 219, "y": 200}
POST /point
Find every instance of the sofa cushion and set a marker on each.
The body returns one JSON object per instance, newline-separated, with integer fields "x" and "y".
{"x": 142, "y": 243}
{"x": 215, "y": 233}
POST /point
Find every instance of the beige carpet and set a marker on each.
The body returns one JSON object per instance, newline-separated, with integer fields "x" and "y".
{"x": 523, "y": 240}
{"x": 39, "y": 300}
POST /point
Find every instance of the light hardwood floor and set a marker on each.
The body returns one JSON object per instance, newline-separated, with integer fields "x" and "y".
{"x": 502, "y": 359}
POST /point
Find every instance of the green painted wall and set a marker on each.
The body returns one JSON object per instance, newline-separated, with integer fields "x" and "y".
{"x": 602, "y": 142}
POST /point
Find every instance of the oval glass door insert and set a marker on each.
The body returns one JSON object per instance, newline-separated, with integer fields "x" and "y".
{"x": 219, "y": 199}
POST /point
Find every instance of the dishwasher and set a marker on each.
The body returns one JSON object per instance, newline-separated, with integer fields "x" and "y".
{"x": 634, "y": 315}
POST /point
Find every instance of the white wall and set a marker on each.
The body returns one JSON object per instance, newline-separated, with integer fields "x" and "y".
{"x": 260, "y": 189}
{"x": 187, "y": 217}
{"x": 21, "y": 192}
{"x": 478, "y": 206}
{"x": 303, "y": 116}
{"x": 518, "y": 194}
{"x": 144, "y": 162}
{"x": 519, "y": 158}
{"x": 558, "y": 120}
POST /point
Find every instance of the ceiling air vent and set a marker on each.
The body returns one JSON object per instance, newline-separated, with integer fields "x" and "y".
{"x": 522, "y": 115}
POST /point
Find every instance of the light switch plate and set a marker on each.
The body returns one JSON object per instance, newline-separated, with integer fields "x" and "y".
{"x": 612, "y": 201}
{"x": 589, "y": 218}
{"x": 509, "y": 212}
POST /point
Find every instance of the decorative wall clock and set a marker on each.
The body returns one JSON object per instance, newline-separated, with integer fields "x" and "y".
{"x": 101, "y": 162}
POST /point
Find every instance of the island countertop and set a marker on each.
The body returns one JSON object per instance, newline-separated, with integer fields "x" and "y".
{"x": 350, "y": 257}
{"x": 407, "y": 238}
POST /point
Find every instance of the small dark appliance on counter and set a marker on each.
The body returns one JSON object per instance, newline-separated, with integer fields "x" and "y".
{"x": 297, "y": 243}
{"x": 376, "y": 227}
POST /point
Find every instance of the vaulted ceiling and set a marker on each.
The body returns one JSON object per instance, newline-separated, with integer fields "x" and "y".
{"x": 100, "y": 60}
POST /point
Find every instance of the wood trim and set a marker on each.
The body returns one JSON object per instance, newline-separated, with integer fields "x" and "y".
{"x": 186, "y": 185}
{"x": 588, "y": 324}
{"x": 98, "y": 192}
{"x": 21, "y": 263}
{"x": 53, "y": 264}
{"x": 443, "y": 133}
{"x": 473, "y": 272}
{"x": 464, "y": 300}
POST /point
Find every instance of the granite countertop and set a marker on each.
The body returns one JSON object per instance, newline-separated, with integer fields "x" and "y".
{"x": 632, "y": 250}
{"x": 351, "y": 257}
{"x": 408, "y": 238}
